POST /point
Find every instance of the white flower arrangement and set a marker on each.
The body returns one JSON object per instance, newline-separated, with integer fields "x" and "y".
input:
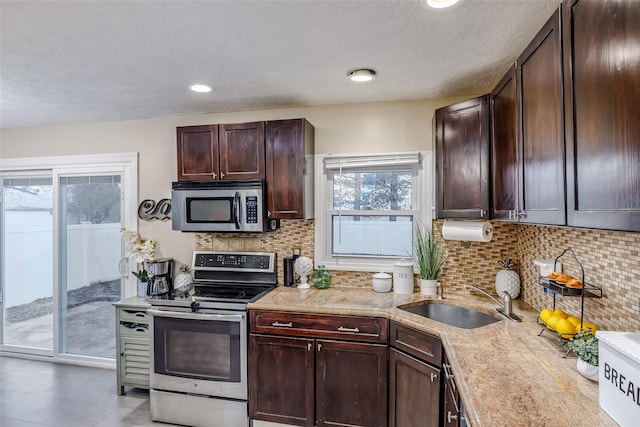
{"x": 141, "y": 251}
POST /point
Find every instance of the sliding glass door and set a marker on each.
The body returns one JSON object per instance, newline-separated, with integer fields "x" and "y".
{"x": 89, "y": 242}
{"x": 27, "y": 262}
{"x": 61, "y": 246}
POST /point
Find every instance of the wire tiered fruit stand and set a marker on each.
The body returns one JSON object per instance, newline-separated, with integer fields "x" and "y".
{"x": 555, "y": 288}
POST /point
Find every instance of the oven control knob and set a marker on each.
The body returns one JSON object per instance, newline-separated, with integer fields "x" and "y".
{"x": 195, "y": 306}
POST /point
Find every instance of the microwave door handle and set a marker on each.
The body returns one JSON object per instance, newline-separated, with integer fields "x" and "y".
{"x": 236, "y": 209}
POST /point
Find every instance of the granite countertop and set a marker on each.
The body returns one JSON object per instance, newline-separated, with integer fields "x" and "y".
{"x": 506, "y": 374}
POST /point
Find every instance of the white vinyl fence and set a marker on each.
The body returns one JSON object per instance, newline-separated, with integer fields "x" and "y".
{"x": 94, "y": 251}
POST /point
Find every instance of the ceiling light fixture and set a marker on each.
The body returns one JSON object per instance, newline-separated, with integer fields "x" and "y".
{"x": 200, "y": 88}
{"x": 361, "y": 75}
{"x": 441, "y": 4}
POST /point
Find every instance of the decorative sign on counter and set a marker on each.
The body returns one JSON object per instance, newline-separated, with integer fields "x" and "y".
{"x": 150, "y": 210}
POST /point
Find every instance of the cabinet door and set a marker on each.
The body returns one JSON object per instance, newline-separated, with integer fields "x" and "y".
{"x": 197, "y": 153}
{"x": 602, "y": 100}
{"x": 289, "y": 149}
{"x": 351, "y": 384}
{"x": 462, "y": 159}
{"x": 414, "y": 392}
{"x": 134, "y": 361}
{"x": 505, "y": 147}
{"x": 539, "y": 68}
{"x": 242, "y": 151}
{"x": 281, "y": 378}
{"x": 451, "y": 415}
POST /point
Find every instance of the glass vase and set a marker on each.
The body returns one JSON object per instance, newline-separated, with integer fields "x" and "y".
{"x": 321, "y": 278}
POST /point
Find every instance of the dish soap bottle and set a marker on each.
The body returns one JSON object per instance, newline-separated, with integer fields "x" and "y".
{"x": 321, "y": 278}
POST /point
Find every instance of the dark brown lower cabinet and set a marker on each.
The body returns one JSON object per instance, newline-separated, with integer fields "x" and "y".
{"x": 414, "y": 392}
{"x": 282, "y": 380}
{"x": 351, "y": 384}
{"x": 452, "y": 414}
{"x": 314, "y": 370}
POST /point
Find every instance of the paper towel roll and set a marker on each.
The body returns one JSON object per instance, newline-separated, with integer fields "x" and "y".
{"x": 470, "y": 231}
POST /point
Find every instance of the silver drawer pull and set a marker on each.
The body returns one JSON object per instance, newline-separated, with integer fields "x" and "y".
{"x": 343, "y": 329}
{"x": 282, "y": 325}
{"x": 131, "y": 325}
{"x": 451, "y": 417}
{"x": 447, "y": 371}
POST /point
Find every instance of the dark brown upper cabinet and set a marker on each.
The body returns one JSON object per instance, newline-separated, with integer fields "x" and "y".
{"x": 290, "y": 148}
{"x": 462, "y": 159}
{"x": 541, "y": 128}
{"x": 242, "y": 151}
{"x": 221, "y": 152}
{"x": 197, "y": 153}
{"x": 504, "y": 148}
{"x": 602, "y": 107}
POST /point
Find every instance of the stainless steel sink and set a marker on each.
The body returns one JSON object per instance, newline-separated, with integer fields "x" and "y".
{"x": 452, "y": 315}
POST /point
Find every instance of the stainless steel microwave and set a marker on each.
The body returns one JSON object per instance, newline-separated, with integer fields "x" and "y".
{"x": 219, "y": 206}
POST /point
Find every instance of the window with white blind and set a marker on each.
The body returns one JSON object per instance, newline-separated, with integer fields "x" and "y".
{"x": 368, "y": 206}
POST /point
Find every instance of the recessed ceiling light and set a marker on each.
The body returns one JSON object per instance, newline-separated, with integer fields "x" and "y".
{"x": 361, "y": 75}
{"x": 441, "y": 4}
{"x": 200, "y": 88}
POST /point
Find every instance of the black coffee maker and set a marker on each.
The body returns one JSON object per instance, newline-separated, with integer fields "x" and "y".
{"x": 160, "y": 276}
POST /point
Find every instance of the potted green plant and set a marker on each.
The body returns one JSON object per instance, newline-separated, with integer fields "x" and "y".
{"x": 429, "y": 254}
{"x": 585, "y": 345}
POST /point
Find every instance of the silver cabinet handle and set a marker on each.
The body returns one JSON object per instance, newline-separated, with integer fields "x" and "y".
{"x": 447, "y": 371}
{"x": 434, "y": 377}
{"x": 309, "y": 347}
{"x": 521, "y": 214}
{"x": 282, "y": 325}
{"x": 319, "y": 346}
{"x": 482, "y": 213}
{"x": 221, "y": 175}
{"x": 343, "y": 329}
{"x": 451, "y": 417}
{"x": 215, "y": 175}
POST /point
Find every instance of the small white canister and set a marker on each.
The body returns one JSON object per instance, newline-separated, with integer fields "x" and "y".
{"x": 403, "y": 276}
{"x": 381, "y": 282}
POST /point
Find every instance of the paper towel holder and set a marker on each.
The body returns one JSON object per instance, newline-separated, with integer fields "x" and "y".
{"x": 486, "y": 230}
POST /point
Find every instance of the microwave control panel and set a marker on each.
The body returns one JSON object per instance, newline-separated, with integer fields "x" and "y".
{"x": 252, "y": 209}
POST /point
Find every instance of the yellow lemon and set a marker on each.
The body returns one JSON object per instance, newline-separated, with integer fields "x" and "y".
{"x": 553, "y": 321}
{"x": 574, "y": 321}
{"x": 589, "y": 325}
{"x": 546, "y": 314}
{"x": 565, "y": 328}
{"x": 559, "y": 313}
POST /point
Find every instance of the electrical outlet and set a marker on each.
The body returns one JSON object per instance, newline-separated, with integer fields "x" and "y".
{"x": 296, "y": 251}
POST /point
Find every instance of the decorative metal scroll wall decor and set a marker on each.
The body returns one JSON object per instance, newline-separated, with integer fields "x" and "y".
{"x": 150, "y": 210}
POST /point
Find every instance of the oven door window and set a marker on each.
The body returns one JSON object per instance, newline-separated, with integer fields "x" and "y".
{"x": 201, "y": 349}
{"x": 210, "y": 210}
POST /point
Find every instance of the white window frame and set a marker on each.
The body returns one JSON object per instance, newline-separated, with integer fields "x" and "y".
{"x": 422, "y": 194}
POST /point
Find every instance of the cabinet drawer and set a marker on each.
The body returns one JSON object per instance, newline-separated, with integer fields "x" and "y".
{"x": 134, "y": 315}
{"x": 132, "y": 329}
{"x": 351, "y": 328}
{"x": 419, "y": 344}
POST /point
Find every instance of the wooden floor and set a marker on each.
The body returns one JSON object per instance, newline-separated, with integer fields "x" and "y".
{"x": 35, "y": 393}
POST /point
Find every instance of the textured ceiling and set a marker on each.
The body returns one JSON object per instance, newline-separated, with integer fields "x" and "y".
{"x": 68, "y": 62}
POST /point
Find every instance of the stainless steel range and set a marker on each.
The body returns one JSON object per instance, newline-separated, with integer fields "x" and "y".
{"x": 199, "y": 340}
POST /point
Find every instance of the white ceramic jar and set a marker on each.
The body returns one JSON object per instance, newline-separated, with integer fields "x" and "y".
{"x": 403, "y": 276}
{"x": 381, "y": 282}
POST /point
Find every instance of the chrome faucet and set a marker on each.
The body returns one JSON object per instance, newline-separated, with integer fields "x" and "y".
{"x": 505, "y": 306}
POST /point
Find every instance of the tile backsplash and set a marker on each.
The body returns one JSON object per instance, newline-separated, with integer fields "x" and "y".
{"x": 611, "y": 261}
